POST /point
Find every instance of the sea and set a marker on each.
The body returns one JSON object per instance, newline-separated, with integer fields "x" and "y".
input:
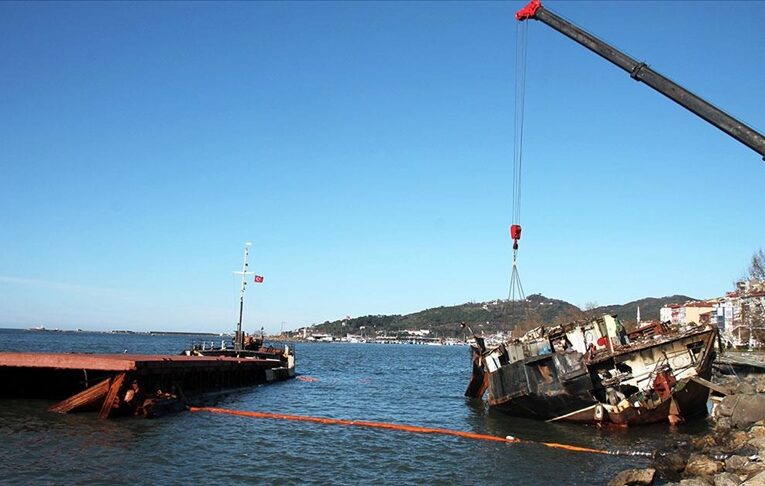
{"x": 404, "y": 384}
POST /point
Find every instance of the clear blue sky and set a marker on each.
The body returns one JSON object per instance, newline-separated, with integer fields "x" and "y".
{"x": 366, "y": 151}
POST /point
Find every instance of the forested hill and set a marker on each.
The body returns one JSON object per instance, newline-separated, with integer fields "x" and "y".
{"x": 492, "y": 316}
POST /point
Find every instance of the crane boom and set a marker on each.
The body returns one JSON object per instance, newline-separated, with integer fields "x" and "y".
{"x": 640, "y": 71}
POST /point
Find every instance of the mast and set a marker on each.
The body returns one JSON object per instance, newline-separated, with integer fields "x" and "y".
{"x": 239, "y": 339}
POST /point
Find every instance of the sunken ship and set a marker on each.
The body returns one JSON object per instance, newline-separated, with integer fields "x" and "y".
{"x": 594, "y": 372}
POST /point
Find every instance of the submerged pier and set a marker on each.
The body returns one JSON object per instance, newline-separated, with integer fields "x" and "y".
{"x": 127, "y": 385}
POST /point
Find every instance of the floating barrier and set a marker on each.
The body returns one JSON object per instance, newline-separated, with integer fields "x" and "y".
{"x": 412, "y": 428}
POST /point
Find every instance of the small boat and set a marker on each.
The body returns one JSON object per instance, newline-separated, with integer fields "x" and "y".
{"x": 249, "y": 346}
{"x": 593, "y": 372}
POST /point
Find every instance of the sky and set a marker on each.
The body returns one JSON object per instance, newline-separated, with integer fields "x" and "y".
{"x": 366, "y": 151}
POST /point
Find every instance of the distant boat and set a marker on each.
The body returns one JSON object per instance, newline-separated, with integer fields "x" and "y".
{"x": 38, "y": 328}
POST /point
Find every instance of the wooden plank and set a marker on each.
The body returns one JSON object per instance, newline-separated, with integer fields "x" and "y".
{"x": 86, "y": 397}
{"x": 717, "y": 388}
{"x": 111, "y": 396}
{"x": 116, "y": 362}
{"x": 120, "y": 362}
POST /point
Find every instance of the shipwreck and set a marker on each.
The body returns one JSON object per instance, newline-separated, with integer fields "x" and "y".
{"x": 594, "y": 372}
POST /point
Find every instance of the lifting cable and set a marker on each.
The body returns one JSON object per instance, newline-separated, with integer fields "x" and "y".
{"x": 412, "y": 428}
{"x": 521, "y": 35}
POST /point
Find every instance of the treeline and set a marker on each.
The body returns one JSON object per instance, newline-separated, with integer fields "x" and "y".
{"x": 493, "y": 316}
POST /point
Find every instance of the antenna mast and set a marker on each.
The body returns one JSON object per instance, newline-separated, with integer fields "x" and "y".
{"x": 239, "y": 339}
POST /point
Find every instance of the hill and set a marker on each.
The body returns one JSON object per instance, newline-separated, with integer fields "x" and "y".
{"x": 493, "y": 316}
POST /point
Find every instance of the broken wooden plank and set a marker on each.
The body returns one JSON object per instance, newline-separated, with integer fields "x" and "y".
{"x": 89, "y": 396}
{"x": 716, "y": 388}
{"x": 111, "y": 396}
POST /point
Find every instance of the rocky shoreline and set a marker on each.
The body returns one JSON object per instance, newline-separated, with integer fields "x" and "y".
{"x": 731, "y": 454}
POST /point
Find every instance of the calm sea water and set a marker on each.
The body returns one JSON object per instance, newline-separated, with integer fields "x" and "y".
{"x": 407, "y": 384}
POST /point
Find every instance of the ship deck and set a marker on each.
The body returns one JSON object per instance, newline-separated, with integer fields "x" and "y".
{"x": 85, "y": 381}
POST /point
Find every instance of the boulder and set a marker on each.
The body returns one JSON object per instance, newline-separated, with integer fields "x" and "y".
{"x": 723, "y": 424}
{"x": 670, "y": 465}
{"x": 758, "y": 443}
{"x": 634, "y": 477}
{"x": 751, "y": 470}
{"x": 757, "y": 432}
{"x": 736, "y": 440}
{"x": 734, "y": 463}
{"x": 742, "y": 410}
{"x": 704, "y": 442}
{"x": 727, "y": 479}
{"x": 695, "y": 482}
{"x": 699, "y": 465}
{"x": 758, "y": 480}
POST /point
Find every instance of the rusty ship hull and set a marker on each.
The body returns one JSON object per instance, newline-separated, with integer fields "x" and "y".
{"x": 562, "y": 375}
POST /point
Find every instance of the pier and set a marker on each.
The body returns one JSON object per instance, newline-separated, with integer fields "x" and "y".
{"x": 125, "y": 385}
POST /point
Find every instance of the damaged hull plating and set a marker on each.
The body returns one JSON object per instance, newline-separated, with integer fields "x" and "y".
{"x": 586, "y": 374}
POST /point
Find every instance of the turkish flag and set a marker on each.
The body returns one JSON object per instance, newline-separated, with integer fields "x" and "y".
{"x": 258, "y": 279}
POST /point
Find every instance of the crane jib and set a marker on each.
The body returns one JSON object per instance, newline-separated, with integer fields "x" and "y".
{"x": 640, "y": 71}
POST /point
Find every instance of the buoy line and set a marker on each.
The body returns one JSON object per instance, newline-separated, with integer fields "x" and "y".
{"x": 414, "y": 429}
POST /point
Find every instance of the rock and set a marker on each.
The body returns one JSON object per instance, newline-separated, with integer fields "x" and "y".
{"x": 695, "y": 482}
{"x": 705, "y": 442}
{"x": 670, "y": 465}
{"x": 723, "y": 424}
{"x": 699, "y": 465}
{"x": 734, "y": 463}
{"x": 744, "y": 388}
{"x": 757, "y": 432}
{"x": 751, "y": 470}
{"x": 758, "y": 480}
{"x": 736, "y": 440}
{"x": 727, "y": 479}
{"x": 634, "y": 477}
{"x": 743, "y": 410}
{"x": 758, "y": 443}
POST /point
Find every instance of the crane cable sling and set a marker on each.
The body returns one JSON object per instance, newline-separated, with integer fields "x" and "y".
{"x": 413, "y": 429}
{"x": 516, "y": 292}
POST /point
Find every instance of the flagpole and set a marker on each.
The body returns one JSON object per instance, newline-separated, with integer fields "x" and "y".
{"x": 239, "y": 341}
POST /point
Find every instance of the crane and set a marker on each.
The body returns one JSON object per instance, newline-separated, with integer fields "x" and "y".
{"x": 640, "y": 71}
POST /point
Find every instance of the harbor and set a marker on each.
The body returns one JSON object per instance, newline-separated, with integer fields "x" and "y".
{"x": 404, "y": 384}
{"x": 382, "y": 243}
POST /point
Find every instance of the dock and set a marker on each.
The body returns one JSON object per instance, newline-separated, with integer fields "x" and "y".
{"x": 126, "y": 385}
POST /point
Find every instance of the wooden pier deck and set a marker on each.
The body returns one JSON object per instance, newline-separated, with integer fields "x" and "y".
{"x": 122, "y": 384}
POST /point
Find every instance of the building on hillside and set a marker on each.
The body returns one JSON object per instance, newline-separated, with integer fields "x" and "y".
{"x": 688, "y": 313}
{"x": 739, "y": 315}
{"x": 744, "y": 314}
{"x": 672, "y": 313}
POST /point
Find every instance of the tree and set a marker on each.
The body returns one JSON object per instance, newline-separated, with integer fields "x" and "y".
{"x": 757, "y": 267}
{"x": 590, "y": 309}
